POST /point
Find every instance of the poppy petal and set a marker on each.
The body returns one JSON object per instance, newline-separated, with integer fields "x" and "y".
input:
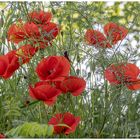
{"x": 73, "y": 126}
{"x": 40, "y": 17}
{"x": 95, "y": 37}
{"x": 45, "y": 92}
{"x": 73, "y": 84}
{"x": 134, "y": 86}
{"x": 3, "y": 64}
{"x": 13, "y": 64}
{"x": 114, "y": 32}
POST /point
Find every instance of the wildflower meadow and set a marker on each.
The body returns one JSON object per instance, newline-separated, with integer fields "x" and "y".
{"x": 69, "y": 69}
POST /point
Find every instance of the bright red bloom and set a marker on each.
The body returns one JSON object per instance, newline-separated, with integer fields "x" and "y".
{"x": 40, "y": 17}
{"x": 20, "y": 32}
{"x": 2, "y": 136}
{"x": 67, "y": 119}
{"x": 34, "y": 32}
{"x": 40, "y": 33}
{"x": 49, "y": 31}
{"x": 8, "y": 64}
{"x": 45, "y": 92}
{"x": 115, "y": 32}
{"x": 72, "y": 84}
{"x": 26, "y": 52}
{"x": 54, "y": 68}
{"x": 31, "y": 31}
{"x": 124, "y": 73}
{"x": 15, "y": 33}
{"x": 94, "y": 37}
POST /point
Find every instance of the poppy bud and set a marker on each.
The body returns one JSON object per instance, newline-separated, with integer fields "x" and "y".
{"x": 27, "y": 102}
{"x": 66, "y": 55}
{"x": 62, "y": 33}
{"x": 89, "y": 74}
{"x": 77, "y": 71}
{"x": 78, "y": 59}
{"x": 25, "y": 77}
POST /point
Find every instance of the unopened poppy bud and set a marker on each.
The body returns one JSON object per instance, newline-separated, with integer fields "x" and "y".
{"x": 78, "y": 59}
{"x": 66, "y": 55}
{"x": 27, "y": 102}
{"x": 68, "y": 18}
{"x": 25, "y": 77}
{"x": 53, "y": 11}
{"x": 89, "y": 74}
{"x": 62, "y": 33}
{"x": 77, "y": 71}
{"x": 2, "y": 22}
{"x": 77, "y": 44}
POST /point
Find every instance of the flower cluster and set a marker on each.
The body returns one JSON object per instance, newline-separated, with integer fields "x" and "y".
{"x": 127, "y": 74}
{"x": 113, "y": 32}
{"x": 36, "y": 33}
{"x": 53, "y": 72}
{"x": 39, "y": 30}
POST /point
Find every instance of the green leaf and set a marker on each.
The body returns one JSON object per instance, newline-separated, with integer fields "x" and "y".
{"x": 50, "y": 130}
{"x": 32, "y": 130}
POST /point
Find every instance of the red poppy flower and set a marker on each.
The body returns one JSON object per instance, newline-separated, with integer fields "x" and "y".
{"x": 8, "y": 64}
{"x": 40, "y": 17}
{"x": 26, "y": 52}
{"x": 49, "y": 31}
{"x": 94, "y": 37}
{"x": 31, "y": 31}
{"x": 127, "y": 74}
{"x": 54, "y": 68}
{"x": 15, "y": 33}
{"x": 45, "y": 92}
{"x": 115, "y": 32}
{"x": 64, "y": 123}
{"x": 72, "y": 84}
{"x": 2, "y": 136}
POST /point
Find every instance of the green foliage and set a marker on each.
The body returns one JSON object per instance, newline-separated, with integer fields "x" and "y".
{"x": 31, "y": 130}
